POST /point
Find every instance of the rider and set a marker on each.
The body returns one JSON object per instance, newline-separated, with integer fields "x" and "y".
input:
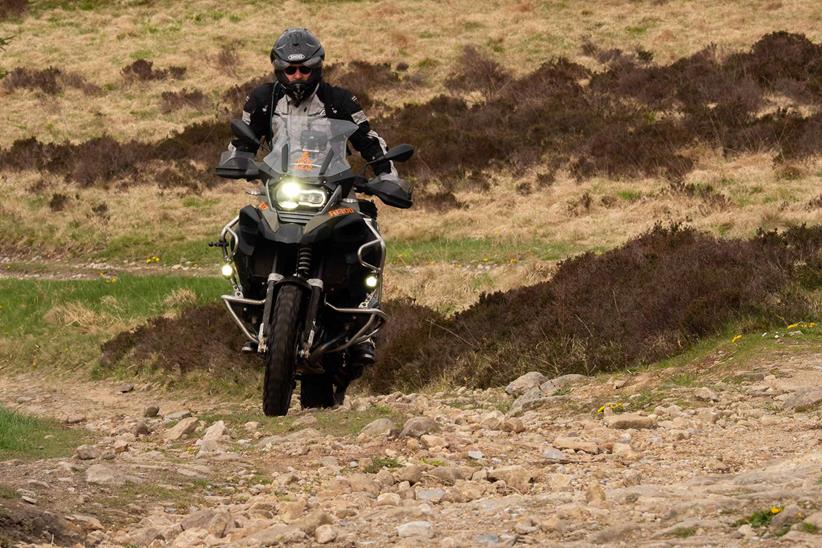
{"x": 298, "y": 57}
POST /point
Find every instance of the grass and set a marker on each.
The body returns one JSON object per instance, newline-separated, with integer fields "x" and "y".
{"x": 23, "y": 437}
{"x": 810, "y": 528}
{"x": 378, "y": 463}
{"x": 684, "y": 532}
{"x": 474, "y": 250}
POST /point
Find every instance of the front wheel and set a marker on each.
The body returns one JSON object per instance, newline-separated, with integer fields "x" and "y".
{"x": 280, "y": 362}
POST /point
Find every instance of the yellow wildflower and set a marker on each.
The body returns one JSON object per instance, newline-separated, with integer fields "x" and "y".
{"x": 775, "y": 509}
{"x": 794, "y": 325}
{"x": 736, "y": 339}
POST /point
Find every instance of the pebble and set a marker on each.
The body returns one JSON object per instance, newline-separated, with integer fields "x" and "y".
{"x": 151, "y": 411}
{"x": 417, "y": 426}
{"x": 424, "y": 529}
{"x": 325, "y": 534}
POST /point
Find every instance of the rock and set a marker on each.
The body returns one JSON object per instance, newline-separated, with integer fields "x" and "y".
{"x": 125, "y": 388}
{"x": 815, "y": 520}
{"x": 251, "y": 426}
{"x": 475, "y": 455}
{"x": 595, "y": 493}
{"x": 613, "y": 534}
{"x": 120, "y": 446}
{"x": 102, "y": 474}
{"x": 87, "y": 452}
{"x": 430, "y": 495}
{"x": 576, "y": 444}
{"x": 533, "y": 398}
{"x": 629, "y": 420}
{"x": 312, "y": 521}
{"x": 555, "y": 456}
{"x": 28, "y": 499}
{"x": 215, "y": 431}
{"x": 177, "y": 415}
{"x": 75, "y": 419}
{"x": 185, "y": 426}
{"x": 412, "y": 474}
{"x": 515, "y": 476}
{"x": 389, "y": 499}
{"x": 804, "y": 400}
{"x": 141, "y": 429}
{"x": 277, "y": 534}
{"x": 525, "y": 526}
{"x": 364, "y": 483}
{"x": 151, "y": 411}
{"x": 525, "y": 382}
{"x": 625, "y": 451}
{"x": 305, "y": 420}
{"x": 384, "y": 478}
{"x": 513, "y": 424}
{"x": 706, "y": 394}
{"x": 325, "y": 534}
{"x": 417, "y": 426}
{"x": 217, "y": 523}
{"x": 208, "y": 447}
{"x": 424, "y": 529}
{"x": 377, "y": 428}
{"x": 430, "y": 441}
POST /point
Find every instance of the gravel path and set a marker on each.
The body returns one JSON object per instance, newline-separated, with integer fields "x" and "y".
{"x": 736, "y": 461}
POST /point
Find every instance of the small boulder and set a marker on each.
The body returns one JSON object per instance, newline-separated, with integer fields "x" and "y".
{"x": 525, "y": 382}
{"x": 87, "y": 452}
{"x": 377, "y": 428}
{"x": 514, "y": 476}
{"x": 417, "y": 426}
{"x": 185, "y": 426}
{"x": 151, "y": 411}
{"x": 422, "y": 529}
{"x": 629, "y": 420}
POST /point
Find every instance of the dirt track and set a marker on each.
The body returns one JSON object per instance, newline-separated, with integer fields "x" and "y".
{"x": 460, "y": 473}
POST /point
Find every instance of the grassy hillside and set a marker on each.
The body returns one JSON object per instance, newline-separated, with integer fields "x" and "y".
{"x": 543, "y": 130}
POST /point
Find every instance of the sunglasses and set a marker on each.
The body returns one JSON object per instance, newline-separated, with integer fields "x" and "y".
{"x": 290, "y": 70}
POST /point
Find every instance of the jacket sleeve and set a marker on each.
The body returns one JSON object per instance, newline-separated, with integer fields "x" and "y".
{"x": 365, "y": 140}
{"x": 256, "y": 114}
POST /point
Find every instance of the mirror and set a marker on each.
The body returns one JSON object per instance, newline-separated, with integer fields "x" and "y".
{"x": 241, "y": 130}
{"x": 399, "y": 153}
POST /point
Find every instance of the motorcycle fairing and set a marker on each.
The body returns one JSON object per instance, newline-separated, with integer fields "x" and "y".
{"x": 342, "y": 229}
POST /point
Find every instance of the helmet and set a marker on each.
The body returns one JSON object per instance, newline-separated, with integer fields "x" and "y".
{"x": 298, "y": 47}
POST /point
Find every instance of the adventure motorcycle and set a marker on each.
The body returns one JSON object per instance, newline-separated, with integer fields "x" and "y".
{"x": 306, "y": 263}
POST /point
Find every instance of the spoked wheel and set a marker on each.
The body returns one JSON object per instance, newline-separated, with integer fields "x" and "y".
{"x": 280, "y": 363}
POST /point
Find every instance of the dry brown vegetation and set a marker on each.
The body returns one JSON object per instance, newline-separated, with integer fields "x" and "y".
{"x": 645, "y": 301}
{"x": 634, "y": 119}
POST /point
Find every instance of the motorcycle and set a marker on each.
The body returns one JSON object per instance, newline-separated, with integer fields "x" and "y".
{"x": 306, "y": 263}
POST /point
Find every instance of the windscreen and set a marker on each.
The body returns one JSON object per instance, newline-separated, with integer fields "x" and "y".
{"x": 309, "y": 146}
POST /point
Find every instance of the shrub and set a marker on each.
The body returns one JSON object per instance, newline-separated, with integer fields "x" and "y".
{"x": 175, "y": 100}
{"x": 642, "y": 302}
{"x": 143, "y": 70}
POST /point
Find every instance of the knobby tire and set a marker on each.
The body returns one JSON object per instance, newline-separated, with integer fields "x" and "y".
{"x": 278, "y": 384}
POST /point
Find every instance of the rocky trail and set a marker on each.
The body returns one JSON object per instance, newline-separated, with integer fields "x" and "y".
{"x": 733, "y": 459}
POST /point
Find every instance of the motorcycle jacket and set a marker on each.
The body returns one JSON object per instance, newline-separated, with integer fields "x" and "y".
{"x": 269, "y": 100}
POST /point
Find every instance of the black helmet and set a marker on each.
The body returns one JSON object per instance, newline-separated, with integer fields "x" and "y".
{"x": 298, "y": 47}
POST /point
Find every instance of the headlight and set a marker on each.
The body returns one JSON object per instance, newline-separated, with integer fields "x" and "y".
{"x": 227, "y": 270}
{"x": 292, "y": 194}
{"x": 371, "y": 281}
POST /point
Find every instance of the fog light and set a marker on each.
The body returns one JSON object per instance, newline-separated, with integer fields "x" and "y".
{"x": 371, "y": 281}
{"x": 227, "y": 270}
